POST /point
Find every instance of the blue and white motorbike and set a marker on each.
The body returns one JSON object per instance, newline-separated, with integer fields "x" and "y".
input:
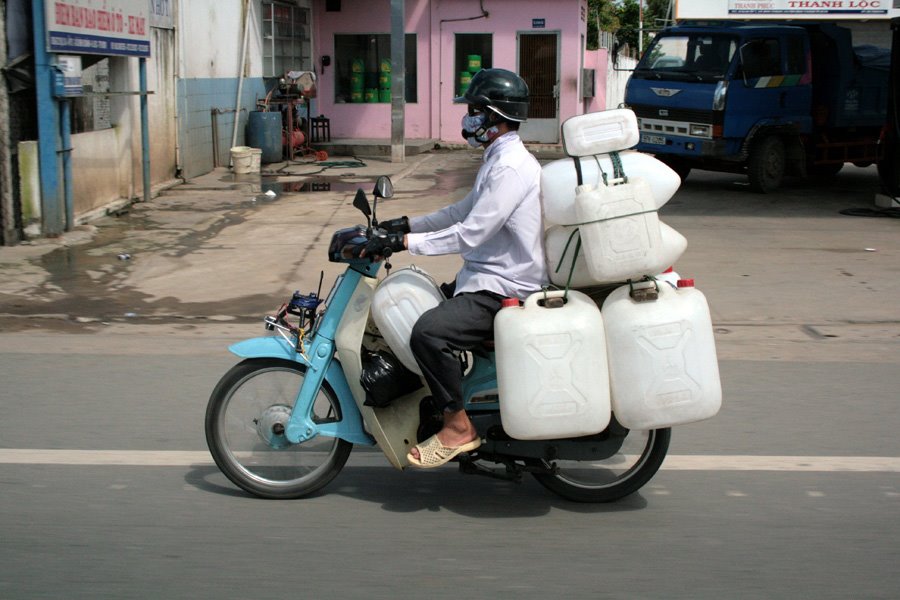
{"x": 282, "y": 422}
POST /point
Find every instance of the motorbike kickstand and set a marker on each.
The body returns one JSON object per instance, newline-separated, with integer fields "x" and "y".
{"x": 512, "y": 472}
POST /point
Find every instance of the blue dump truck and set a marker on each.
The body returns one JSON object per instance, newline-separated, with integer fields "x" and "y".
{"x": 768, "y": 100}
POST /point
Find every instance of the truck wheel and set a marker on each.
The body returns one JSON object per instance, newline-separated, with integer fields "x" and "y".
{"x": 889, "y": 168}
{"x": 824, "y": 171}
{"x": 766, "y": 164}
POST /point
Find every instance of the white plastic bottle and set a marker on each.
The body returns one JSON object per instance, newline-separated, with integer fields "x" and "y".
{"x": 551, "y": 367}
{"x": 662, "y": 358}
{"x": 399, "y": 301}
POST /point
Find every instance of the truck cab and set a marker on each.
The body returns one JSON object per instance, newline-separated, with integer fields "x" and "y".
{"x": 765, "y": 100}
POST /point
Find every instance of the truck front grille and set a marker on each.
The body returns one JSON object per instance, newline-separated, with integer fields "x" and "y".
{"x": 689, "y": 115}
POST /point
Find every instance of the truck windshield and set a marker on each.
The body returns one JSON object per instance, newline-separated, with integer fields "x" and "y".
{"x": 688, "y": 57}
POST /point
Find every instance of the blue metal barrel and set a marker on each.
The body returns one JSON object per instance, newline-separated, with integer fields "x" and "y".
{"x": 264, "y": 132}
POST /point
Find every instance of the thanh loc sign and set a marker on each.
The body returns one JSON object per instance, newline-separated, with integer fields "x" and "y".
{"x": 111, "y": 27}
{"x": 800, "y": 8}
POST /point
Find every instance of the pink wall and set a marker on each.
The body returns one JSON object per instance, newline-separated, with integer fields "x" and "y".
{"x": 434, "y": 115}
{"x": 372, "y": 120}
{"x": 598, "y": 60}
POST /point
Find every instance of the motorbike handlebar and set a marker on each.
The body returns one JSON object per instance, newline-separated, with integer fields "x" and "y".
{"x": 373, "y": 243}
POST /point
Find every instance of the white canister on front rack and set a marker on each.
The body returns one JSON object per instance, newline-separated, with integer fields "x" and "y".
{"x": 551, "y": 367}
{"x": 662, "y": 357}
{"x": 400, "y": 299}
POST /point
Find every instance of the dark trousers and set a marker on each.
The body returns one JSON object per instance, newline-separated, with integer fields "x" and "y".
{"x": 459, "y": 323}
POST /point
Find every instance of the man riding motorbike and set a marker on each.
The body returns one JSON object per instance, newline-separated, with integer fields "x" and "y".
{"x": 497, "y": 229}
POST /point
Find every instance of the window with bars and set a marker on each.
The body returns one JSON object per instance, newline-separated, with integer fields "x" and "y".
{"x": 286, "y": 38}
{"x": 474, "y": 51}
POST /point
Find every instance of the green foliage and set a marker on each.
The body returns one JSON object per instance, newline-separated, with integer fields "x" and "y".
{"x": 622, "y": 17}
{"x": 604, "y": 12}
{"x": 629, "y": 16}
{"x": 655, "y": 13}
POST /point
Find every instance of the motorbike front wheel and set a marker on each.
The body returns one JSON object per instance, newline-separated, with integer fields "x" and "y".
{"x": 624, "y": 473}
{"x": 246, "y": 417}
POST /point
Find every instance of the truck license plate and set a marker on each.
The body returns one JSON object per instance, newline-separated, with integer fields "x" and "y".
{"x": 653, "y": 139}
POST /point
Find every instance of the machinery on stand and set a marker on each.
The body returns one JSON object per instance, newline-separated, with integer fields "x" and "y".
{"x": 291, "y": 97}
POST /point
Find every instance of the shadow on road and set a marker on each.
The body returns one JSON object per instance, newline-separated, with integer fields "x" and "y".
{"x": 706, "y": 193}
{"x": 445, "y": 489}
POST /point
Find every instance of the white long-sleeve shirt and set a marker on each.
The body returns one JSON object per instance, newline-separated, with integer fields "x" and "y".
{"x": 496, "y": 228}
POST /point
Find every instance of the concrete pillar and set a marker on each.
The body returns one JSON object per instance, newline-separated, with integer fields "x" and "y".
{"x": 398, "y": 80}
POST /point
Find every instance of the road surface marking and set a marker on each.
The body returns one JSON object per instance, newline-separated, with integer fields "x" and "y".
{"x": 677, "y": 462}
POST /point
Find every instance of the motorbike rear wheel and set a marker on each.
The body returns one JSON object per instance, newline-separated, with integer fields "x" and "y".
{"x": 245, "y": 420}
{"x": 608, "y": 480}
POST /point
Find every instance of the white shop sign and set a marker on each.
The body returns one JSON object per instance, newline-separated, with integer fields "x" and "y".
{"x": 787, "y": 9}
{"x": 111, "y": 27}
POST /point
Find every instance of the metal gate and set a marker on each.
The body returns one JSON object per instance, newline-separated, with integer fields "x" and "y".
{"x": 539, "y": 67}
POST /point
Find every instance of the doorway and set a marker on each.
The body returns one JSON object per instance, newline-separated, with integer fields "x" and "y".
{"x": 539, "y": 67}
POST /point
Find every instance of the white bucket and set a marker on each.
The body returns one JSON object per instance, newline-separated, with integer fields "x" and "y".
{"x": 662, "y": 358}
{"x": 559, "y": 258}
{"x": 551, "y": 368}
{"x": 399, "y": 301}
{"x": 245, "y": 159}
{"x": 558, "y": 181}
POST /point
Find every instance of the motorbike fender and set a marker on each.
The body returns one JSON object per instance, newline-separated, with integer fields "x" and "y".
{"x": 350, "y": 427}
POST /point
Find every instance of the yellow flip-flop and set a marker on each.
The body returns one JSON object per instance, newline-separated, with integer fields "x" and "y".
{"x": 432, "y": 453}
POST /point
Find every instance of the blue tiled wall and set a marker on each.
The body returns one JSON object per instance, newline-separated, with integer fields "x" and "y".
{"x": 196, "y": 100}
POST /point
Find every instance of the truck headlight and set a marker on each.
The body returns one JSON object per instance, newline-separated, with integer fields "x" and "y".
{"x": 698, "y": 130}
{"x": 719, "y": 95}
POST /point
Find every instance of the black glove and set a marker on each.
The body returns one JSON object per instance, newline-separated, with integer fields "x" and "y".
{"x": 400, "y": 225}
{"x": 383, "y": 245}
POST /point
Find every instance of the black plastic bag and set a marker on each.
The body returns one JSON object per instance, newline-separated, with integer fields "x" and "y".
{"x": 384, "y": 378}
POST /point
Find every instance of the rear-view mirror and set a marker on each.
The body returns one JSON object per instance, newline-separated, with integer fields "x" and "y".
{"x": 362, "y": 203}
{"x": 383, "y": 187}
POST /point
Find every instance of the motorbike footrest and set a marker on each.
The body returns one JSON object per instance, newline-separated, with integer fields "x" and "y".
{"x": 468, "y": 466}
{"x": 551, "y": 469}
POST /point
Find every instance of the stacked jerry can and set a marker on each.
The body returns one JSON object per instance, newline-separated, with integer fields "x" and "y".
{"x": 648, "y": 353}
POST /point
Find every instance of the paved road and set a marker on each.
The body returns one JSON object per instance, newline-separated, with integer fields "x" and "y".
{"x": 792, "y": 491}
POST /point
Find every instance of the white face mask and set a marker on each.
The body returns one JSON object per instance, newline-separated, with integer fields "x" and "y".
{"x": 474, "y": 125}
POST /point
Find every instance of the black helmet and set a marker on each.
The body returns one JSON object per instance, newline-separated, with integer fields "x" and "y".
{"x": 500, "y": 90}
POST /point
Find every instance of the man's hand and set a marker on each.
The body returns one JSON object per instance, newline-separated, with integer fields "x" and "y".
{"x": 384, "y": 245}
{"x": 400, "y": 225}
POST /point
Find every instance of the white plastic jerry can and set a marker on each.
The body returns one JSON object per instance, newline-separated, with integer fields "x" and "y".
{"x": 559, "y": 249}
{"x": 551, "y": 367}
{"x": 600, "y": 132}
{"x": 621, "y": 232}
{"x": 615, "y": 264}
{"x": 662, "y": 357}
{"x": 400, "y": 299}
{"x": 559, "y": 180}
